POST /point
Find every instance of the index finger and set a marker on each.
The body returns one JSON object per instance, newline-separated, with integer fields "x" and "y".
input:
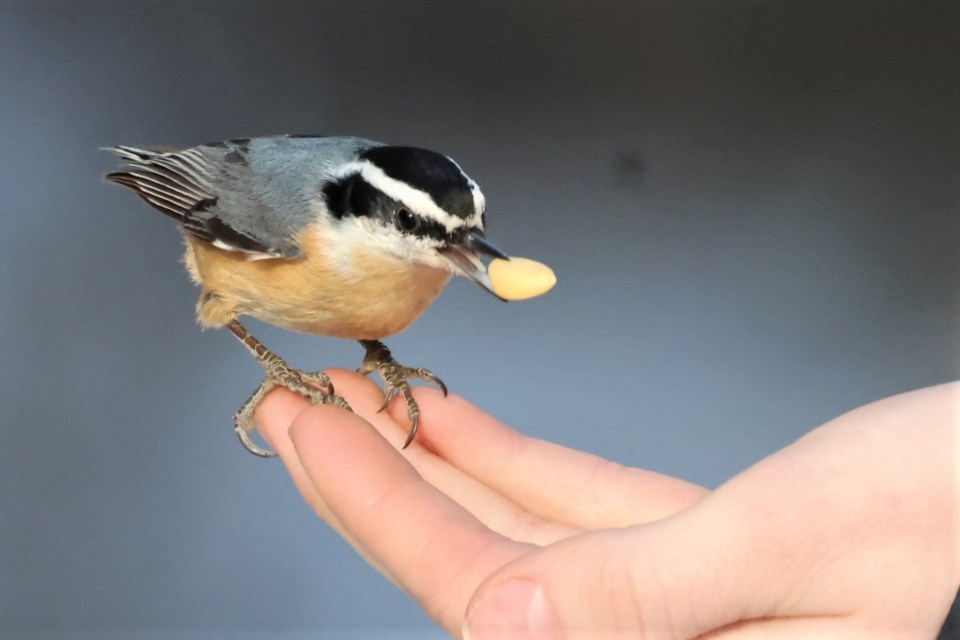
{"x": 436, "y": 550}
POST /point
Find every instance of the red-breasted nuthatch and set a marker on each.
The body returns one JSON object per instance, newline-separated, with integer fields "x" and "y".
{"x": 336, "y": 236}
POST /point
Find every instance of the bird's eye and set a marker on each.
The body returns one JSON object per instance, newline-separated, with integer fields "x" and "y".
{"x": 406, "y": 221}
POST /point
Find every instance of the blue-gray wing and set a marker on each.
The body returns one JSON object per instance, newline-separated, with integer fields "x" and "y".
{"x": 250, "y": 195}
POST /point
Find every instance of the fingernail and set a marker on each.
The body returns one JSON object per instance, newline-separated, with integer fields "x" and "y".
{"x": 516, "y": 609}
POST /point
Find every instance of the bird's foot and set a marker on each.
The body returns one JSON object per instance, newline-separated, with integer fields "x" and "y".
{"x": 395, "y": 377}
{"x": 315, "y": 386}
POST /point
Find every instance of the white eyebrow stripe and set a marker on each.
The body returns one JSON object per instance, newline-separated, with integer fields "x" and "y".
{"x": 479, "y": 202}
{"x": 420, "y": 201}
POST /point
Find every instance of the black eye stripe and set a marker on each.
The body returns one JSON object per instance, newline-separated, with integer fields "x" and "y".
{"x": 354, "y": 196}
{"x": 431, "y": 229}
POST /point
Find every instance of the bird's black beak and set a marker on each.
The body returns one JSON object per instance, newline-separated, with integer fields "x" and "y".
{"x": 474, "y": 241}
{"x": 464, "y": 257}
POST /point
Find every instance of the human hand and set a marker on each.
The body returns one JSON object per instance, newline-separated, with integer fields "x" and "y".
{"x": 850, "y": 532}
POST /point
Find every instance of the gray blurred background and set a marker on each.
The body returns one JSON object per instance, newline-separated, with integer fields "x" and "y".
{"x": 752, "y": 209}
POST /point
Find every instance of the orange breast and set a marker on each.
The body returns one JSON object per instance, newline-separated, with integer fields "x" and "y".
{"x": 369, "y": 297}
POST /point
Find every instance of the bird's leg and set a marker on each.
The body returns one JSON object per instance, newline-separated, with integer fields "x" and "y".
{"x": 315, "y": 386}
{"x": 395, "y": 377}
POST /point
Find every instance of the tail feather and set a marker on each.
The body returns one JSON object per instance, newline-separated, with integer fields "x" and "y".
{"x": 133, "y": 154}
{"x": 170, "y": 182}
{"x": 156, "y": 200}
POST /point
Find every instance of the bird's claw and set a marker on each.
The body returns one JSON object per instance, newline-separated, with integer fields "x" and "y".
{"x": 314, "y": 386}
{"x": 391, "y": 393}
{"x": 395, "y": 378}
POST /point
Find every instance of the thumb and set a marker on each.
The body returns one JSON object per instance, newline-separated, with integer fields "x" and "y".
{"x": 661, "y": 580}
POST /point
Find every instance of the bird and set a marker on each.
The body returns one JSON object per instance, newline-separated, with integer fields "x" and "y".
{"x": 336, "y": 236}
